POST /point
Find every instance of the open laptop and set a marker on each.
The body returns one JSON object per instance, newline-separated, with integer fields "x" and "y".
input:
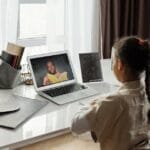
{"x": 54, "y": 78}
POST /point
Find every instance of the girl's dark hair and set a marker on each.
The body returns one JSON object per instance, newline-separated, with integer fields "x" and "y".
{"x": 135, "y": 53}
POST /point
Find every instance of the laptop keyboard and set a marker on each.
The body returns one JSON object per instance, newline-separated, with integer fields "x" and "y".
{"x": 64, "y": 90}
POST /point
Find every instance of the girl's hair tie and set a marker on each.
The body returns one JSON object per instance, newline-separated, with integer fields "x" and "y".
{"x": 141, "y": 42}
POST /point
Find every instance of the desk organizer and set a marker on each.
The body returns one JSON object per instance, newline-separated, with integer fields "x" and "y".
{"x": 9, "y": 76}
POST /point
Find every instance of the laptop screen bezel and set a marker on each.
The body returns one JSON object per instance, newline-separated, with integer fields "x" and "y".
{"x": 29, "y": 58}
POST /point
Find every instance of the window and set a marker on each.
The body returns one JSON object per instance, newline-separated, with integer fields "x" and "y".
{"x": 38, "y": 19}
{"x": 32, "y": 22}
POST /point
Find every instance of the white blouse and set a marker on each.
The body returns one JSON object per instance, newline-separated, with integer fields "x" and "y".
{"x": 118, "y": 119}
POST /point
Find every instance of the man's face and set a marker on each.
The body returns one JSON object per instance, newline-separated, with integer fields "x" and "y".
{"x": 51, "y": 68}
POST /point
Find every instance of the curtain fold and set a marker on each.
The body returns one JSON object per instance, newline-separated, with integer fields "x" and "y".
{"x": 123, "y": 18}
{"x": 83, "y": 25}
{"x": 83, "y": 33}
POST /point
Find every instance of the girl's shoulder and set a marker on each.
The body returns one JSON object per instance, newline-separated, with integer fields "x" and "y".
{"x": 125, "y": 99}
{"x": 114, "y": 98}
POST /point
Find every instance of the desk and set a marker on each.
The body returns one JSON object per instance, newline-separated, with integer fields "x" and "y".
{"x": 51, "y": 121}
{"x": 63, "y": 142}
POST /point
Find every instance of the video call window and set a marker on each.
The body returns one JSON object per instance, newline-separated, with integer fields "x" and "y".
{"x": 51, "y": 70}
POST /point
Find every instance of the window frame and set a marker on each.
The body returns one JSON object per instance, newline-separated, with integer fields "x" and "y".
{"x": 29, "y": 42}
{"x": 38, "y": 41}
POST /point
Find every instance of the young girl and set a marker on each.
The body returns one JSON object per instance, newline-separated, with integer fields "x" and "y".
{"x": 116, "y": 120}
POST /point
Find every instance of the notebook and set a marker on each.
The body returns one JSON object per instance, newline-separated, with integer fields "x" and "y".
{"x": 27, "y": 107}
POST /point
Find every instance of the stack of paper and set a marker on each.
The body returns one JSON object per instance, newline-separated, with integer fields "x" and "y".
{"x": 14, "y": 109}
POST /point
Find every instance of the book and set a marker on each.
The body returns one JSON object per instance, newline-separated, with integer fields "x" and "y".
{"x": 17, "y": 50}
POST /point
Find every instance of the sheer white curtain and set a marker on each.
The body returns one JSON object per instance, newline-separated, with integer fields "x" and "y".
{"x": 8, "y": 22}
{"x": 81, "y": 28}
{"x": 83, "y": 24}
{"x": 3, "y": 8}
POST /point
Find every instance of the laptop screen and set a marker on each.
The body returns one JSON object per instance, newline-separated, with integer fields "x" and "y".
{"x": 50, "y": 70}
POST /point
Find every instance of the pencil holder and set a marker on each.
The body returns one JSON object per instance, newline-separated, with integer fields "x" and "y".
{"x": 9, "y": 76}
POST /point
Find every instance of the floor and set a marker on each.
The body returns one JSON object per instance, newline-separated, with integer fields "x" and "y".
{"x": 64, "y": 142}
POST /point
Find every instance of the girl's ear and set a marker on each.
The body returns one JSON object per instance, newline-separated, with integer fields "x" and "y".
{"x": 120, "y": 65}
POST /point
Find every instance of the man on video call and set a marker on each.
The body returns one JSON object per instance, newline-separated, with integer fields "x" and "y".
{"x": 53, "y": 75}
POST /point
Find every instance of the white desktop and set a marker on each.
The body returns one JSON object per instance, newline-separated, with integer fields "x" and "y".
{"x": 55, "y": 119}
